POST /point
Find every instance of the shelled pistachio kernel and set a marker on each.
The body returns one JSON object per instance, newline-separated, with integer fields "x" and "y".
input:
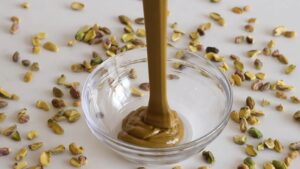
{"x": 32, "y": 134}
{"x": 238, "y": 65}
{"x": 35, "y": 67}
{"x": 125, "y": 20}
{"x": 55, "y": 127}
{"x": 290, "y": 34}
{"x": 294, "y": 146}
{"x": 144, "y": 86}
{"x": 237, "y": 10}
{"x": 240, "y": 139}
{"x": 250, "y": 163}
{"x": 244, "y": 112}
{"x": 136, "y": 92}
{"x": 249, "y": 76}
{"x": 4, "y": 151}
{"x": 132, "y": 74}
{"x": 260, "y": 146}
{"x": 16, "y": 136}
{"x": 242, "y": 166}
{"x": 45, "y": 158}
{"x": 287, "y": 161}
{"x": 72, "y": 115}
{"x": 255, "y": 133}
{"x": 279, "y": 30}
{"x": 236, "y": 79}
{"x": 203, "y": 167}
{"x": 50, "y": 46}
{"x": 258, "y": 64}
{"x": 278, "y": 146}
{"x": 296, "y": 116}
{"x": 243, "y": 125}
{"x": 294, "y": 154}
{"x": 250, "y": 150}
{"x": 35, "y": 146}
{"x": 22, "y": 116}
{"x": 217, "y": 18}
{"x": 215, "y": 1}
{"x": 9, "y": 130}
{"x": 269, "y": 143}
{"x": 77, "y": 6}
{"x": 268, "y": 165}
{"x": 176, "y": 36}
{"x": 75, "y": 149}
{"x": 289, "y": 69}
{"x": 57, "y": 92}
{"x": 279, "y": 107}
{"x": 57, "y": 150}
{"x": 20, "y": 165}
{"x": 249, "y": 28}
{"x": 253, "y": 53}
{"x": 40, "y": 104}
{"x": 280, "y": 95}
{"x": 208, "y": 157}
{"x": 279, "y": 164}
{"x": 2, "y": 117}
{"x": 25, "y": 5}
{"x": 78, "y": 162}
{"x": 21, "y": 154}
{"x": 28, "y": 76}
{"x": 260, "y": 76}
{"x": 234, "y": 115}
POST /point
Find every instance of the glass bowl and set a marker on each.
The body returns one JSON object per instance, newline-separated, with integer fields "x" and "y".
{"x": 197, "y": 90}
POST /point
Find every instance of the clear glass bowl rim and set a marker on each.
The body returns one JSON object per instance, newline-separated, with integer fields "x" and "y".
{"x": 181, "y": 147}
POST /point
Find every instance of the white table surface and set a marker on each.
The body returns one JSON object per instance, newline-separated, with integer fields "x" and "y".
{"x": 60, "y": 22}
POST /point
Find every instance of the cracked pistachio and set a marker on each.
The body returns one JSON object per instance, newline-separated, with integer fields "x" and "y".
{"x": 21, "y": 154}
{"x": 75, "y": 149}
{"x": 40, "y": 104}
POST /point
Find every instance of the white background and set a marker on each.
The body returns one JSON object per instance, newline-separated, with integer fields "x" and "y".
{"x": 60, "y": 22}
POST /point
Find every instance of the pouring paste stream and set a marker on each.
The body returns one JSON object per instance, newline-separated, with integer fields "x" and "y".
{"x": 155, "y": 126}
